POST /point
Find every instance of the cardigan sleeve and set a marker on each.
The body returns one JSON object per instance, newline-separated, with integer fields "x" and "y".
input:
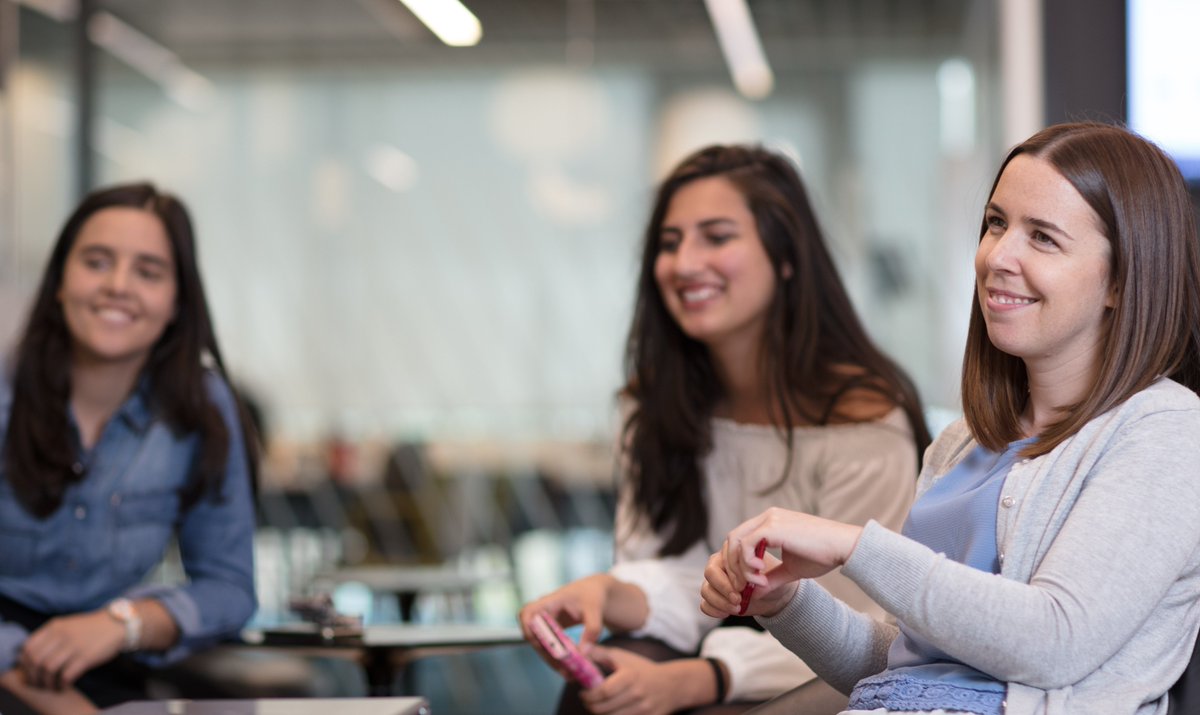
{"x": 1131, "y": 527}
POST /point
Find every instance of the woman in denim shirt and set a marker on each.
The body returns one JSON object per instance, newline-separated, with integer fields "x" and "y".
{"x": 119, "y": 431}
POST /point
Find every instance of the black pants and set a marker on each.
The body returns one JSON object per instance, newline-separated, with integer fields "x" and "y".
{"x": 111, "y": 683}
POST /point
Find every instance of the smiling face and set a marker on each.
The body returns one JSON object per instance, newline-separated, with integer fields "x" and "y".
{"x": 712, "y": 270}
{"x": 1043, "y": 268}
{"x": 118, "y": 286}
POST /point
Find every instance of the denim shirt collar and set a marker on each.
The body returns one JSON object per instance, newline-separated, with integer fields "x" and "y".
{"x": 136, "y": 411}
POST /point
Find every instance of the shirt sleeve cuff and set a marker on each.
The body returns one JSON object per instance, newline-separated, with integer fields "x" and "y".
{"x": 759, "y": 666}
{"x": 12, "y": 637}
{"x": 673, "y": 615}
{"x": 183, "y": 611}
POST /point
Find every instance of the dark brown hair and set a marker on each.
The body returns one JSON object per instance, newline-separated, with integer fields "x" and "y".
{"x": 1153, "y": 329}
{"x": 38, "y": 451}
{"x": 812, "y": 336}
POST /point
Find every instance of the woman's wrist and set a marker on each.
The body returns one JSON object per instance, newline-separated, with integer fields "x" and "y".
{"x": 697, "y": 680}
{"x": 720, "y": 674}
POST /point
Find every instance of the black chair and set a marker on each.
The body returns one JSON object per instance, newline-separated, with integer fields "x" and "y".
{"x": 1184, "y": 697}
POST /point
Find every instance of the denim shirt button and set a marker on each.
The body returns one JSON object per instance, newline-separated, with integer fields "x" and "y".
{"x": 115, "y": 499}
{"x": 77, "y": 468}
{"x": 72, "y": 564}
{"x": 80, "y": 512}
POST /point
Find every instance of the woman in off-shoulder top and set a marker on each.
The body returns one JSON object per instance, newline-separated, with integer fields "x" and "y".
{"x": 750, "y": 382}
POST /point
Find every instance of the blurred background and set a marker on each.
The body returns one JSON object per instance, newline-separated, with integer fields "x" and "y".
{"x": 420, "y": 243}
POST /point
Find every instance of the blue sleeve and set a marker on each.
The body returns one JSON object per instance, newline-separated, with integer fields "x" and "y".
{"x": 216, "y": 543}
{"x": 12, "y": 637}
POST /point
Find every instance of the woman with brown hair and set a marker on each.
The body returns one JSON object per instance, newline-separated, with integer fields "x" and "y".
{"x": 1051, "y": 562}
{"x": 120, "y": 432}
{"x": 750, "y": 382}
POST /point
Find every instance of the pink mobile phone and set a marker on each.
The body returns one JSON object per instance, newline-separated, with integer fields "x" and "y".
{"x": 759, "y": 550}
{"x": 563, "y": 649}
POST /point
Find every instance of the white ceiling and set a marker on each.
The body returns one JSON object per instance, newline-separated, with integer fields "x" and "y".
{"x": 795, "y": 33}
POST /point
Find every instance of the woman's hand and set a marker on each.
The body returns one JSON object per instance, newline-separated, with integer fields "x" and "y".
{"x": 718, "y": 597}
{"x": 640, "y": 686}
{"x": 810, "y": 547}
{"x": 581, "y": 601}
{"x": 47, "y": 702}
{"x": 64, "y": 648}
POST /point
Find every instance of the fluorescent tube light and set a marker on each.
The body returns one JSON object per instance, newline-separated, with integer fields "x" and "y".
{"x": 147, "y": 56}
{"x": 740, "y": 44}
{"x": 61, "y": 10}
{"x": 450, "y": 20}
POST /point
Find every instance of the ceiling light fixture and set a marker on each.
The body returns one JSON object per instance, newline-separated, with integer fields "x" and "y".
{"x": 450, "y": 20}
{"x": 741, "y": 46}
{"x": 144, "y": 54}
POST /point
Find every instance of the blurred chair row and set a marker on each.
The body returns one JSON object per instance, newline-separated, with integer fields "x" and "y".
{"x": 511, "y": 535}
{"x": 517, "y": 522}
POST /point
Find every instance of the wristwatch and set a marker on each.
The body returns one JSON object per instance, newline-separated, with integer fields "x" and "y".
{"x": 122, "y": 610}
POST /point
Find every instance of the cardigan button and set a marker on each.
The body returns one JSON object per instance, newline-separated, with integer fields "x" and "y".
{"x": 1007, "y": 502}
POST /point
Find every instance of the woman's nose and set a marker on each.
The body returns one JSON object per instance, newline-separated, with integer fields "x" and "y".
{"x": 1000, "y": 253}
{"x": 689, "y": 256}
{"x": 119, "y": 278}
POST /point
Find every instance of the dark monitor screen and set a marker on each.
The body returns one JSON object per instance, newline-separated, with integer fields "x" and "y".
{"x": 1164, "y": 77}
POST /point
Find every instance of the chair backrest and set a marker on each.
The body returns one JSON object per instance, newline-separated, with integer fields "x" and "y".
{"x": 1184, "y": 696}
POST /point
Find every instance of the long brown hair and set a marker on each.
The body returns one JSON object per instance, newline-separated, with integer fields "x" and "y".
{"x": 38, "y": 452}
{"x": 1153, "y": 329}
{"x": 812, "y": 330}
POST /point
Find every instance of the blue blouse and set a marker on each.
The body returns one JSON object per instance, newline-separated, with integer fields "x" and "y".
{"x": 957, "y": 518}
{"x": 115, "y": 524}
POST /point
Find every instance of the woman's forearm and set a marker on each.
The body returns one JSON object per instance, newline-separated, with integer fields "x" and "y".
{"x": 625, "y": 605}
{"x": 159, "y": 630}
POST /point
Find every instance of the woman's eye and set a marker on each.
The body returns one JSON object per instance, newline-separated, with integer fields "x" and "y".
{"x": 1042, "y": 239}
{"x": 151, "y": 274}
{"x": 667, "y": 245}
{"x": 95, "y": 263}
{"x": 719, "y": 238}
{"x": 995, "y": 223}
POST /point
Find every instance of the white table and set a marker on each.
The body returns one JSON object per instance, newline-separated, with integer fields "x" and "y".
{"x": 384, "y": 650}
{"x": 281, "y": 706}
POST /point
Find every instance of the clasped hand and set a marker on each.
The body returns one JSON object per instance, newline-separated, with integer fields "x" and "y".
{"x": 809, "y": 545}
{"x": 55, "y": 655}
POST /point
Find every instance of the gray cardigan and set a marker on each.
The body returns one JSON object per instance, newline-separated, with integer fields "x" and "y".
{"x": 1097, "y": 604}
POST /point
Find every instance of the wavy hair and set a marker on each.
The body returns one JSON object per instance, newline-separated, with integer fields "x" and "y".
{"x": 812, "y": 335}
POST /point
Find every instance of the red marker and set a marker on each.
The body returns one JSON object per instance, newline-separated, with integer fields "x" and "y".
{"x": 749, "y": 589}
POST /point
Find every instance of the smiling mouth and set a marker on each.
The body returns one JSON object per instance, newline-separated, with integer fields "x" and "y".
{"x": 1012, "y": 300}
{"x": 698, "y": 295}
{"x": 114, "y": 316}
{"x": 1004, "y": 298}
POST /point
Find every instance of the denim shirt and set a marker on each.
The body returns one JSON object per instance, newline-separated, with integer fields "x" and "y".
{"x": 115, "y": 524}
